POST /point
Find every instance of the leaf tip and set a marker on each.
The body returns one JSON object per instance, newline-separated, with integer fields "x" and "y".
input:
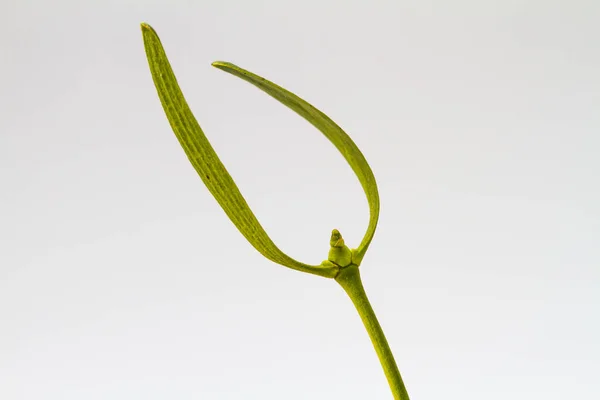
{"x": 146, "y": 27}
{"x": 222, "y": 65}
{"x": 225, "y": 66}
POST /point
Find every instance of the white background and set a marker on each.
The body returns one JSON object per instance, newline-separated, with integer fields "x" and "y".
{"x": 120, "y": 277}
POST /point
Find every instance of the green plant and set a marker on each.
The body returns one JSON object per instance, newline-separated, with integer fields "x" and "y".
{"x": 342, "y": 263}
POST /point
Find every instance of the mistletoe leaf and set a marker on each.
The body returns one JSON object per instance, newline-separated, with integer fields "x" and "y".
{"x": 333, "y": 132}
{"x": 206, "y": 162}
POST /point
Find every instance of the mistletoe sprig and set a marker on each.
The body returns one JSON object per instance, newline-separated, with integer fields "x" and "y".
{"x": 342, "y": 263}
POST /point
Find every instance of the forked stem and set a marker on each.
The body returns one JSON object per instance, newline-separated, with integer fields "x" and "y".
{"x": 349, "y": 279}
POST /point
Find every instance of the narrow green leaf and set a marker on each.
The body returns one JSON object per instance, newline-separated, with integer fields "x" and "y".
{"x": 333, "y": 132}
{"x": 206, "y": 162}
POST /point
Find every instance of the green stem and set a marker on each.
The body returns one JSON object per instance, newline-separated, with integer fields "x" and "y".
{"x": 349, "y": 279}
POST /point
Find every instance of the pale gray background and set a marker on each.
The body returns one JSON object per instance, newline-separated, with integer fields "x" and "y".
{"x": 121, "y": 278}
